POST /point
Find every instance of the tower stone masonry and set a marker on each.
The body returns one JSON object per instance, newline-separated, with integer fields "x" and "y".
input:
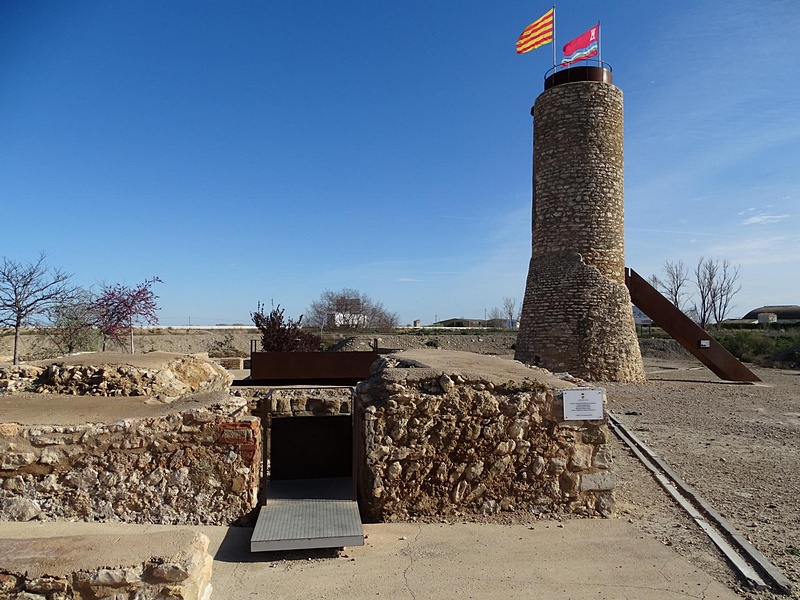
{"x": 576, "y": 313}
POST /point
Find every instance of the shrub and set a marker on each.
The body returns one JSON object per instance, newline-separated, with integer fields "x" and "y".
{"x": 763, "y": 347}
{"x": 283, "y": 334}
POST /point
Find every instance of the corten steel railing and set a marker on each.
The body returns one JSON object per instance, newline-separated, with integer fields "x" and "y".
{"x": 297, "y": 368}
{"x": 685, "y": 331}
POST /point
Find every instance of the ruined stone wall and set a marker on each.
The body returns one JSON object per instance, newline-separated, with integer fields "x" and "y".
{"x": 185, "y": 574}
{"x": 176, "y": 377}
{"x": 194, "y": 466}
{"x": 445, "y": 443}
{"x": 576, "y": 314}
{"x": 288, "y": 402}
{"x": 577, "y": 322}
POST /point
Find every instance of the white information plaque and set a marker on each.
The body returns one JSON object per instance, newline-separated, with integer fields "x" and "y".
{"x": 583, "y": 404}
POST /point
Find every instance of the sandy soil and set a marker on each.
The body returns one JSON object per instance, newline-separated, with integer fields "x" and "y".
{"x": 737, "y": 444}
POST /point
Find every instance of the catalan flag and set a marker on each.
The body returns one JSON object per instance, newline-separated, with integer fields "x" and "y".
{"x": 538, "y": 33}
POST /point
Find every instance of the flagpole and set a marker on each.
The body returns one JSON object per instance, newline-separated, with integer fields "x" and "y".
{"x": 554, "y": 37}
{"x": 599, "y": 43}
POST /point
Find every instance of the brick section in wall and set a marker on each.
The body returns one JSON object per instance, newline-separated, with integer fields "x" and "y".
{"x": 244, "y": 435}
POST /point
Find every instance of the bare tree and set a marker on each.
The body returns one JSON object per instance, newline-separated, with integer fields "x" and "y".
{"x": 27, "y": 291}
{"x": 71, "y": 325}
{"x": 676, "y": 279}
{"x": 508, "y": 314}
{"x": 510, "y": 310}
{"x": 705, "y": 275}
{"x": 725, "y": 287}
{"x": 349, "y": 309}
{"x": 717, "y": 284}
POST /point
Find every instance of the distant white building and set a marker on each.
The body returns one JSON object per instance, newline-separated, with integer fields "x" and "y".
{"x": 782, "y": 314}
{"x": 346, "y": 319}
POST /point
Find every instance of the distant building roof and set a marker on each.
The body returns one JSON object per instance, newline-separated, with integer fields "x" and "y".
{"x": 789, "y": 312}
{"x": 461, "y": 323}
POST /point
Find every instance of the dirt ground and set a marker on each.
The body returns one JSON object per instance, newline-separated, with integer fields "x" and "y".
{"x": 738, "y": 445}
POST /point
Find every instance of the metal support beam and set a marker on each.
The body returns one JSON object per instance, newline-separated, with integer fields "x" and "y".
{"x": 685, "y": 331}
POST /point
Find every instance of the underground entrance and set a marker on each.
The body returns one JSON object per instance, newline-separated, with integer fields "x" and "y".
{"x": 310, "y": 494}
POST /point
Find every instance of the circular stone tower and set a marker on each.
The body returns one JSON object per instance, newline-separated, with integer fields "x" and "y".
{"x": 576, "y": 314}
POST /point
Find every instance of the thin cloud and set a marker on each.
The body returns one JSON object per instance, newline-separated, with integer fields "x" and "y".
{"x": 764, "y": 219}
{"x": 671, "y": 231}
{"x": 771, "y": 250}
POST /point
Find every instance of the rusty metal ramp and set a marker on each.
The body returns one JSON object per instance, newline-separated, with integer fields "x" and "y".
{"x": 685, "y": 331}
{"x": 302, "y": 514}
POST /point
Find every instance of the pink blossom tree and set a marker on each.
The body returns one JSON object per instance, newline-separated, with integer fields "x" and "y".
{"x": 118, "y": 308}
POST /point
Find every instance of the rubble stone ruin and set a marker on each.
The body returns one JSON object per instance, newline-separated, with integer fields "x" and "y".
{"x": 576, "y": 314}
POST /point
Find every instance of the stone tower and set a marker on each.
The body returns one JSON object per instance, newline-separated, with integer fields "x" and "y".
{"x": 576, "y": 314}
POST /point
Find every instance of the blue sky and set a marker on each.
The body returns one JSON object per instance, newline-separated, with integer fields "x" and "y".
{"x": 268, "y": 151}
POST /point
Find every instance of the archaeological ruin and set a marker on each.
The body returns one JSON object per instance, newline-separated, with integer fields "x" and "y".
{"x": 425, "y": 433}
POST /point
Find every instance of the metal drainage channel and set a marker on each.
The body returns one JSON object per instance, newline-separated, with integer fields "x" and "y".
{"x": 752, "y": 562}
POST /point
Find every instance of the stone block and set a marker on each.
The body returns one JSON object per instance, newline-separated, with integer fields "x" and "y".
{"x": 602, "y": 458}
{"x": 597, "y": 482}
{"x": 19, "y": 509}
{"x": 581, "y": 457}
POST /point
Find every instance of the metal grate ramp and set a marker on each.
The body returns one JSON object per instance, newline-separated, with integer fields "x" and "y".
{"x": 308, "y": 513}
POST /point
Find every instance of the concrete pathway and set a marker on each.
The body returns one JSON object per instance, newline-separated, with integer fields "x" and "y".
{"x": 579, "y": 559}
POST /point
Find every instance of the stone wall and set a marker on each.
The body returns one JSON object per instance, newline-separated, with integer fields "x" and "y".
{"x": 447, "y": 441}
{"x": 576, "y": 313}
{"x": 164, "y": 376}
{"x": 321, "y": 401}
{"x": 29, "y": 571}
{"x": 36, "y": 345}
{"x": 576, "y": 321}
{"x": 199, "y": 463}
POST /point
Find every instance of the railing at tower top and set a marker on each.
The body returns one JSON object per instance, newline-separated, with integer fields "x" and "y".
{"x": 685, "y": 331}
{"x": 589, "y": 70}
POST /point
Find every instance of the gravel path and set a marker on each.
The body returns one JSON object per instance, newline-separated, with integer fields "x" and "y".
{"x": 737, "y": 444}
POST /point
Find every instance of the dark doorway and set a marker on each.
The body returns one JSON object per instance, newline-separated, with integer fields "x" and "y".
{"x": 311, "y": 447}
